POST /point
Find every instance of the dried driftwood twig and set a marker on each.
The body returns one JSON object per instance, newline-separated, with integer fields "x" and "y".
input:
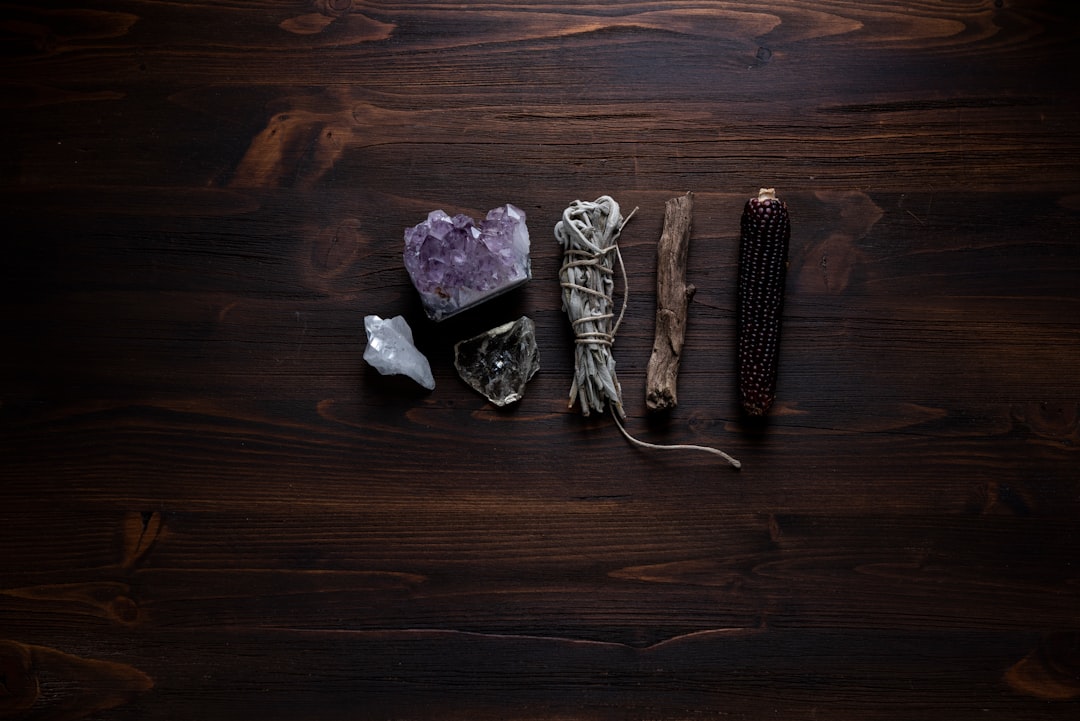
{"x": 672, "y": 300}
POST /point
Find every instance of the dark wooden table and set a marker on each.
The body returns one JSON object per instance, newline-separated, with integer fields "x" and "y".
{"x": 211, "y": 508}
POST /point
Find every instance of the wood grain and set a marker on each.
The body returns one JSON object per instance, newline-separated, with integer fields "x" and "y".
{"x": 211, "y": 508}
{"x": 673, "y": 296}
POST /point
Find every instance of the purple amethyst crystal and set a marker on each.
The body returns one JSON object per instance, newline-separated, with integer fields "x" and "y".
{"x": 456, "y": 264}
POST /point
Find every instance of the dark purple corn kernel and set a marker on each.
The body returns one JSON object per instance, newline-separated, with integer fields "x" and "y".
{"x": 763, "y": 254}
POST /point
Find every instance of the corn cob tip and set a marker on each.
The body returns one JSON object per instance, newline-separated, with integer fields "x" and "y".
{"x": 767, "y": 194}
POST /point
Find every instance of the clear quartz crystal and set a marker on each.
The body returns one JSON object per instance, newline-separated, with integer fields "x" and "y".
{"x": 500, "y": 362}
{"x": 390, "y": 350}
{"x": 455, "y": 263}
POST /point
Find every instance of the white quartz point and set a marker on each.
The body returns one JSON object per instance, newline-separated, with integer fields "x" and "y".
{"x": 390, "y": 350}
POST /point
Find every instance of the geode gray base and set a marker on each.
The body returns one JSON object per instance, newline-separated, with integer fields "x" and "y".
{"x": 500, "y": 362}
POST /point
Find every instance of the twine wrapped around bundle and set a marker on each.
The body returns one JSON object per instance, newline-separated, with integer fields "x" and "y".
{"x": 588, "y": 234}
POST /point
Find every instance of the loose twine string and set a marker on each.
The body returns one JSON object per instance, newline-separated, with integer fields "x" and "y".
{"x": 588, "y": 234}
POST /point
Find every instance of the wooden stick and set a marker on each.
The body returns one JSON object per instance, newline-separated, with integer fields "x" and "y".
{"x": 672, "y": 299}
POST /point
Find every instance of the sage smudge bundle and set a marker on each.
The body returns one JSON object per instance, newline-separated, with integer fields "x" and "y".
{"x": 588, "y": 234}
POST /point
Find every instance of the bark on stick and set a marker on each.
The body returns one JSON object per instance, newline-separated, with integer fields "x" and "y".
{"x": 672, "y": 301}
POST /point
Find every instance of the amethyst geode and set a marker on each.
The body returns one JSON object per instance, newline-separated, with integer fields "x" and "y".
{"x": 456, "y": 264}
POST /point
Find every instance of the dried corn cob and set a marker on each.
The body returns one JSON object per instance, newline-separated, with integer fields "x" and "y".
{"x": 763, "y": 251}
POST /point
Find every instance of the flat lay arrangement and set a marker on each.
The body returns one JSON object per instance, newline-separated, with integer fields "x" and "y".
{"x": 482, "y": 361}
